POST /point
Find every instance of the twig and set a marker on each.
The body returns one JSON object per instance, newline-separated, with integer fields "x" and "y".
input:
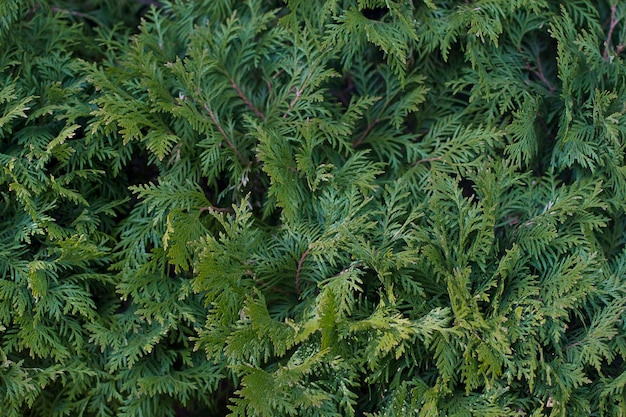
{"x": 609, "y": 35}
{"x": 295, "y": 99}
{"x": 438, "y": 158}
{"x": 299, "y": 270}
{"x": 76, "y": 14}
{"x": 367, "y": 131}
{"x": 221, "y": 130}
{"x": 542, "y": 76}
{"x": 303, "y": 86}
{"x": 71, "y": 12}
{"x": 245, "y": 99}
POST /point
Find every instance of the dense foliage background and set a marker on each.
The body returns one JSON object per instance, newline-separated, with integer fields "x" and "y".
{"x": 312, "y": 207}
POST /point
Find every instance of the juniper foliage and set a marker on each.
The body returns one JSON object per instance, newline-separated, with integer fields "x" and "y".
{"x": 312, "y": 207}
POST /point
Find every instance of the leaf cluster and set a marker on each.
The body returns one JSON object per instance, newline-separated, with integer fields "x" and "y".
{"x": 320, "y": 208}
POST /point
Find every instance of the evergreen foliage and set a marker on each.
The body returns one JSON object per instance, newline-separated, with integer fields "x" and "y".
{"x": 312, "y": 207}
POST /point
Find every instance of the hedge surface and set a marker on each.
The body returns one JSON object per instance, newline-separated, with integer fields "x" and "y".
{"x": 312, "y": 208}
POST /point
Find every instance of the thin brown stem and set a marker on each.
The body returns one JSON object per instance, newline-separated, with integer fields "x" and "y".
{"x": 221, "y": 130}
{"x": 572, "y": 345}
{"x": 542, "y": 76}
{"x": 367, "y": 131}
{"x": 71, "y": 12}
{"x": 299, "y": 270}
{"x": 296, "y": 98}
{"x": 302, "y": 87}
{"x": 245, "y": 99}
{"x": 421, "y": 161}
{"x": 609, "y": 35}
{"x": 76, "y": 14}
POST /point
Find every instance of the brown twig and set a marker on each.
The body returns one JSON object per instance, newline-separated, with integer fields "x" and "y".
{"x": 542, "y": 76}
{"x": 299, "y": 270}
{"x": 367, "y": 131}
{"x": 76, "y": 14}
{"x": 245, "y": 99}
{"x": 221, "y": 130}
{"x": 438, "y": 158}
{"x": 296, "y": 98}
{"x": 609, "y": 35}
{"x": 302, "y": 87}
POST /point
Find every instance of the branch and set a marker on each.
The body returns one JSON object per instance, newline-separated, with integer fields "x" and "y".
{"x": 438, "y": 158}
{"x": 542, "y": 76}
{"x": 299, "y": 270}
{"x": 245, "y": 99}
{"x": 609, "y": 35}
{"x": 367, "y": 131}
{"x": 76, "y": 14}
{"x": 302, "y": 87}
{"x": 295, "y": 99}
{"x": 221, "y": 130}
